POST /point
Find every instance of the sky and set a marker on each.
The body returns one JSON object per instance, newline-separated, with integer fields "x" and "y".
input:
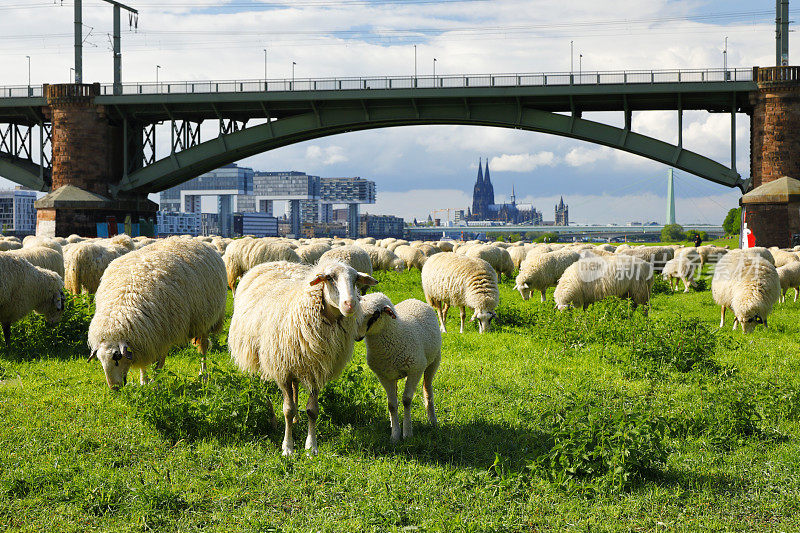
{"x": 421, "y": 168}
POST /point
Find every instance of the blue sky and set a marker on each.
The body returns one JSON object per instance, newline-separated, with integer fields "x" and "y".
{"x": 421, "y": 168}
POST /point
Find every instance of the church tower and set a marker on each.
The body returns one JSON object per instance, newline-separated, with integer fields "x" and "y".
{"x": 488, "y": 184}
{"x": 479, "y": 205}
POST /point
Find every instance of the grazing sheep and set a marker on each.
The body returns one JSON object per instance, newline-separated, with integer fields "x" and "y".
{"x": 297, "y": 324}
{"x": 445, "y": 246}
{"x": 684, "y": 266}
{"x": 351, "y": 255}
{"x": 24, "y": 288}
{"x": 607, "y": 247}
{"x": 782, "y": 257}
{"x": 6, "y": 245}
{"x": 84, "y": 264}
{"x": 32, "y": 241}
{"x": 383, "y": 259}
{"x": 403, "y": 341}
{"x": 449, "y": 279}
{"x": 517, "y": 254}
{"x": 153, "y": 299}
{"x": 749, "y": 285}
{"x": 310, "y": 253}
{"x": 427, "y": 249}
{"x": 755, "y": 250}
{"x": 497, "y": 257}
{"x": 413, "y": 257}
{"x": 594, "y": 278}
{"x": 42, "y": 256}
{"x": 540, "y": 271}
{"x": 235, "y": 259}
{"x": 789, "y": 275}
{"x": 657, "y": 256}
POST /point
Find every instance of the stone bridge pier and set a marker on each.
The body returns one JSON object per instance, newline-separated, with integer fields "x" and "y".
{"x": 87, "y": 160}
{"x": 771, "y": 209}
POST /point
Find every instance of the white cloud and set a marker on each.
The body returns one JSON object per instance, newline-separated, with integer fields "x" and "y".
{"x": 329, "y": 155}
{"x": 522, "y": 162}
{"x": 581, "y": 155}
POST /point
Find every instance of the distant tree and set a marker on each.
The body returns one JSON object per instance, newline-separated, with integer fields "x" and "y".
{"x": 532, "y": 235}
{"x": 550, "y": 236}
{"x": 500, "y": 238}
{"x": 514, "y": 237}
{"x": 672, "y": 232}
{"x": 692, "y": 232}
{"x": 733, "y": 221}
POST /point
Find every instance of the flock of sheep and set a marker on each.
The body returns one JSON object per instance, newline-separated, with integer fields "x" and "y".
{"x": 300, "y": 305}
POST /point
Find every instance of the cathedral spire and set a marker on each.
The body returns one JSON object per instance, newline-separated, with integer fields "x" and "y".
{"x": 480, "y": 171}
{"x": 486, "y": 174}
{"x": 513, "y": 196}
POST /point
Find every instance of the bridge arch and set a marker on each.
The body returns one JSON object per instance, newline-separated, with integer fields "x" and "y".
{"x": 357, "y": 116}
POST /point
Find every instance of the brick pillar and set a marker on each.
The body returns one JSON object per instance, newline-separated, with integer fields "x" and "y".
{"x": 775, "y": 125}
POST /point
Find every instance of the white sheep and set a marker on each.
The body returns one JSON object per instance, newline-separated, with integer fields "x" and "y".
{"x": 42, "y": 256}
{"x": 297, "y": 324}
{"x": 155, "y": 298}
{"x": 540, "y": 271}
{"x": 351, "y": 255}
{"x": 6, "y": 245}
{"x": 657, "y": 256}
{"x": 749, "y": 285}
{"x": 253, "y": 252}
{"x": 24, "y": 288}
{"x": 783, "y": 257}
{"x": 383, "y": 258}
{"x": 310, "y": 253}
{"x": 403, "y": 341}
{"x": 789, "y": 275}
{"x": 684, "y": 267}
{"x": 84, "y": 264}
{"x": 413, "y": 257}
{"x": 518, "y": 254}
{"x": 497, "y": 257}
{"x": 594, "y": 278}
{"x": 449, "y": 279}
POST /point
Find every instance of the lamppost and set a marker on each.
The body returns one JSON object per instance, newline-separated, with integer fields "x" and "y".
{"x": 434, "y": 72}
{"x": 725, "y": 58}
{"x": 571, "y": 58}
{"x": 29, "y": 75}
{"x": 265, "y": 68}
{"x": 293, "y": 65}
{"x": 415, "y": 61}
{"x": 72, "y": 74}
{"x": 580, "y": 65}
{"x": 158, "y": 67}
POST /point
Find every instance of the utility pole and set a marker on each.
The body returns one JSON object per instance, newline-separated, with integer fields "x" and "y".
{"x": 78, "y": 42}
{"x": 434, "y": 72}
{"x": 725, "y": 58}
{"x": 265, "y": 68}
{"x": 781, "y": 32}
{"x": 415, "y": 62}
{"x": 571, "y": 58}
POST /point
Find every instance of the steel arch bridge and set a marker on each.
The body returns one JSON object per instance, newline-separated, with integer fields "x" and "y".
{"x": 293, "y": 111}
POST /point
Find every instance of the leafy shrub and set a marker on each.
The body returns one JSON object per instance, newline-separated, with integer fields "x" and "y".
{"x": 677, "y": 343}
{"x": 229, "y": 406}
{"x": 32, "y": 337}
{"x": 661, "y": 286}
{"x": 609, "y": 442}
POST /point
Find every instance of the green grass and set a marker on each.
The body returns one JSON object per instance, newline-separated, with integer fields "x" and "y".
{"x": 595, "y": 420}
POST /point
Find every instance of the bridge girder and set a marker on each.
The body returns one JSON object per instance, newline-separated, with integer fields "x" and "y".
{"x": 24, "y": 172}
{"x": 363, "y": 115}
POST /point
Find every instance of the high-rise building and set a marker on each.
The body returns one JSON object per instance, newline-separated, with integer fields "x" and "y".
{"x": 17, "y": 214}
{"x": 178, "y": 223}
{"x": 562, "y": 213}
{"x": 381, "y": 226}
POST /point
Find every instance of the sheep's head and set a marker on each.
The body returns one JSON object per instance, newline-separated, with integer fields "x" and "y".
{"x": 375, "y": 307}
{"x": 524, "y": 290}
{"x": 398, "y": 265}
{"x": 116, "y": 359}
{"x": 53, "y": 307}
{"x": 342, "y": 286}
{"x": 484, "y": 319}
{"x": 750, "y": 321}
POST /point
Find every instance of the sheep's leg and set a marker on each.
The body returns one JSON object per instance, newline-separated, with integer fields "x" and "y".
{"x": 722, "y": 319}
{"x": 736, "y": 324}
{"x": 427, "y": 392}
{"x": 783, "y": 296}
{"x": 143, "y": 376}
{"x": 296, "y": 399}
{"x": 391, "y": 400}
{"x": 445, "y": 310}
{"x": 463, "y": 314}
{"x": 686, "y": 285}
{"x": 544, "y": 295}
{"x": 312, "y": 410}
{"x": 289, "y": 412}
{"x": 412, "y": 380}
{"x": 202, "y": 344}
{"x": 796, "y": 290}
{"x": 7, "y": 334}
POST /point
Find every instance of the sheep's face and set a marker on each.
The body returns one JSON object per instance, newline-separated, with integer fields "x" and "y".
{"x": 524, "y": 290}
{"x": 398, "y": 265}
{"x": 54, "y": 308}
{"x": 116, "y": 359}
{"x": 342, "y": 287}
{"x": 484, "y": 319}
{"x": 749, "y": 323}
{"x": 377, "y": 309}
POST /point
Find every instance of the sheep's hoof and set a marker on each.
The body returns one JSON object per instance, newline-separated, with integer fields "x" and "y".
{"x": 287, "y": 452}
{"x": 395, "y": 438}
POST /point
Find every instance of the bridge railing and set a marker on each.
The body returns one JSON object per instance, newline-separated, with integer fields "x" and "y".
{"x": 625, "y": 77}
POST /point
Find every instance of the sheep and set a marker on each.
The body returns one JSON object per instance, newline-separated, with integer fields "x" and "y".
{"x": 297, "y": 324}
{"x": 84, "y": 264}
{"x": 152, "y": 299}
{"x": 607, "y": 247}
{"x": 789, "y": 275}
{"x": 517, "y": 254}
{"x": 497, "y": 257}
{"x": 445, "y": 246}
{"x": 310, "y": 253}
{"x": 403, "y": 341}
{"x": 427, "y": 249}
{"x": 782, "y": 257}
{"x": 413, "y": 257}
{"x": 749, "y": 285}
{"x": 594, "y": 278}
{"x": 755, "y": 250}
{"x": 685, "y": 267}
{"x": 354, "y": 256}
{"x": 6, "y": 245}
{"x": 383, "y": 258}
{"x": 657, "y": 256}
{"x": 24, "y": 288}
{"x": 32, "y": 241}
{"x": 123, "y": 240}
{"x": 43, "y": 257}
{"x": 241, "y": 258}
{"x": 449, "y": 279}
{"x": 540, "y": 271}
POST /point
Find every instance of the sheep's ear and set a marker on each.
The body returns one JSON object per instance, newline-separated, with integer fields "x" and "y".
{"x": 389, "y": 311}
{"x": 366, "y": 280}
{"x": 92, "y": 355}
{"x": 126, "y": 353}
{"x": 319, "y": 279}
{"x": 525, "y": 286}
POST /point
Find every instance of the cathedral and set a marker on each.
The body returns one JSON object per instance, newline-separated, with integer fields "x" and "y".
{"x": 484, "y": 207}
{"x": 562, "y": 213}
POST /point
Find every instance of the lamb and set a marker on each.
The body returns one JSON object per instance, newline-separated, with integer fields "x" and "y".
{"x": 84, "y": 264}
{"x": 351, "y": 255}
{"x": 43, "y": 257}
{"x": 24, "y": 288}
{"x": 749, "y": 285}
{"x": 684, "y": 266}
{"x": 403, "y": 341}
{"x": 449, "y": 279}
{"x": 152, "y": 299}
{"x": 595, "y": 277}
{"x": 540, "y": 271}
{"x": 310, "y": 253}
{"x": 297, "y": 324}
{"x": 789, "y": 275}
{"x": 383, "y": 259}
{"x": 497, "y": 257}
{"x": 413, "y": 257}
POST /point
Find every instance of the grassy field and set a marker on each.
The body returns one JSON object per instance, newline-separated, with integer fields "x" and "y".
{"x": 597, "y": 420}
